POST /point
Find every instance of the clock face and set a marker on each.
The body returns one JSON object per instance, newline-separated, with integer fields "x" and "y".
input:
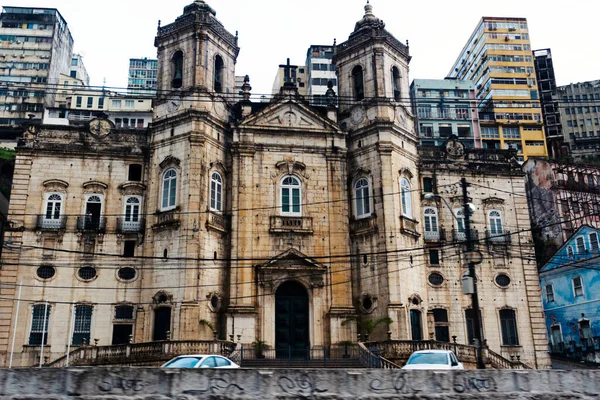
{"x": 173, "y": 105}
{"x": 100, "y": 127}
{"x": 401, "y": 117}
{"x": 357, "y": 115}
{"x": 455, "y": 148}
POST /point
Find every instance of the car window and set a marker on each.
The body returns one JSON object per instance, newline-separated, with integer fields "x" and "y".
{"x": 428, "y": 358}
{"x": 208, "y": 363}
{"x": 183, "y": 362}
{"x": 222, "y": 362}
{"x": 453, "y": 358}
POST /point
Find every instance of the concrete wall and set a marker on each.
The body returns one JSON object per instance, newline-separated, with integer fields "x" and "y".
{"x": 157, "y": 384}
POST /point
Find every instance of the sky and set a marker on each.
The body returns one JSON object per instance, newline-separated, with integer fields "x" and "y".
{"x": 110, "y": 32}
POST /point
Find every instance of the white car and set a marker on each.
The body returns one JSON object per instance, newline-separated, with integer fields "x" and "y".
{"x": 200, "y": 361}
{"x": 433, "y": 359}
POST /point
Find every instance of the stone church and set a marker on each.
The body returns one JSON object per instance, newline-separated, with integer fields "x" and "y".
{"x": 276, "y": 222}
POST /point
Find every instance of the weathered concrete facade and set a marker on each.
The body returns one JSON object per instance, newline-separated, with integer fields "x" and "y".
{"x": 139, "y": 383}
{"x": 277, "y": 222}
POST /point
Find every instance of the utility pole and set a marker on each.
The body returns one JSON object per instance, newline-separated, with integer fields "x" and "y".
{"x": 477, "y": 331}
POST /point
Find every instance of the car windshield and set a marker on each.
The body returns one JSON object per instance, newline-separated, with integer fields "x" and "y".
{"x": 183, "y": 362}
{"x": 428, "y": 358}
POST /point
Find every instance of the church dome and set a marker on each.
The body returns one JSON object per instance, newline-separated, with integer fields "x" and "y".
{"x": 369, "y": 20}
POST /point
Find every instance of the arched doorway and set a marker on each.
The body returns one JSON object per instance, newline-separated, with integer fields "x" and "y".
{"x": 162, "y": 323}
{"x": 291, "y": 321}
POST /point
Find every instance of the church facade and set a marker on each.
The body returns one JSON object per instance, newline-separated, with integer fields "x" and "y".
{"x": 275, "y": 222}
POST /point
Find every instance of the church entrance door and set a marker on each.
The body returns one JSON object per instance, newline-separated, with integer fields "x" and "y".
{"x": 291, "y": 321}
{"x": 162, "y": 323}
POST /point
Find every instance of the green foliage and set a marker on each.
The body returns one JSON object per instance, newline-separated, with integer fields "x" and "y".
{"x": 260, "y": 345}
{"x": 207, "y": 324}
{"x": 7, "y": 154}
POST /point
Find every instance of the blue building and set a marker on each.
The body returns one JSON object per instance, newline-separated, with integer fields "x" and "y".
{"x": 571, "y": 296}
{"x": 445, "y": 108}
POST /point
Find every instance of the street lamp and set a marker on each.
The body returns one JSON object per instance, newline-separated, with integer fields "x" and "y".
{"x": 473, "y": 257}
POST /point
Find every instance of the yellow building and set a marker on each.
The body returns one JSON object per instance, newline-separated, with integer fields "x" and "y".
{"x": 498, "y": 58}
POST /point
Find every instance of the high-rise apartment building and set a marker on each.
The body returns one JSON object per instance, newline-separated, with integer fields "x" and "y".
{"x": 78, "y": 70}
{"x": 35, "y": 48}
{"x": 546, "y": 80}
{"x": 142, "y": 76}
{"x": 445, "y": 108}
{"x": 321, "y": 71}
{"x": 498, "y": 58}
{"x": 580, "y": 116}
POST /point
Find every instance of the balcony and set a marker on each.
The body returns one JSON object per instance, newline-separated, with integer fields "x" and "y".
{"x": 217, "y": 222}
{"x": 409, "y": 226}
{"x": 291, "y": 224}
{"x": 51, "y": 224}
{"x": 460, "y": 235}
{"x": 434, "y": 236}
{"x": 91, "y": 223}
{"x": 576, "y": 186}
{"x": 124, "y": 226}
{"x": 498, "y": 238}
{"x": 363, "y": 226}
{"x": 167, "y": 220}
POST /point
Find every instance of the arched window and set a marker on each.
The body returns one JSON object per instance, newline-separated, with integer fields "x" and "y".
{"x": 169, "y": 190}
{"x": 359, "y": 88}
{"x": 216, "y": 192}
{"x": 290, "y": 196}
{"x": 53, "y": 206}
{"x": 405, "y": 196}
{"x": 219, "y": 69}
{"x": 132, "y": 209}
{"x": 396, "y": 84}
{"x": 362, "y": 197}
{"x": 495, "y": 220}
{"x": 460, "y": 219}
{"x": 177, "y": 67}
{"x": 430, "y": 221}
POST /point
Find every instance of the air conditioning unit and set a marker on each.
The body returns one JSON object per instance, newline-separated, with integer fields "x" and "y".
{"x": 512, "y": 29}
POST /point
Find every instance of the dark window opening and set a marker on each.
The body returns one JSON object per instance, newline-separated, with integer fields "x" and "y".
{"x": 442, "y": 331}
{"x": 129, "y": 248}
{"x": 177, "y": 62}
{"x": 428, "y": 185}
{"x": 124, "y": 312}
{"x": 416, "y": 325}
{"x": 508, "y": 323}
{"x": 126, "y": 273}
{"x": 359, "y": 89}
{"x": 434, "y": 257}
{"x": 436, "y": 279}
{"x": 162, "y": 323}
{"x": 165, "y": 254}
{"x": 219, "y": 69}
{"x": 445, "y": 131}
{"x": 135, "y": 173}
{"x": 396, "y": 83}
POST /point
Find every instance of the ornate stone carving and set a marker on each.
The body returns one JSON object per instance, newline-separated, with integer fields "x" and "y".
{"x": 55, "y": 185}
{"x": 291, "y": 264}
{"x": 289, "y": 166}
{"x": 95, "y": 187}
{"x": 132, "y": 189}
{"x": 170, "y": 161}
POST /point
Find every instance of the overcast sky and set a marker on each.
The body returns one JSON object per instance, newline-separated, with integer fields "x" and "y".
{"x": 109, "y": 32}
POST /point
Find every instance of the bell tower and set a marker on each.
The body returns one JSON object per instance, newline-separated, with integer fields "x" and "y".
{"x": 383, "y": 180}
{"x": 196, "y": 54}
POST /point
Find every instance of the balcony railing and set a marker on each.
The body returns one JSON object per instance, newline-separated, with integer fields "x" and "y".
{"x": 168, "y": 219}
{"x": 434, "y": 236}
{"x": 498, "y": 238}
{"x": 363, "y": 225}
{"x": 130, "y": 226}
{"x": 291, "y": 224}
{"x": 91, "y": 223}
{"x": 460, "y": 235}
{"x": 59, "y": 223}
{"x": 409, "y": 226}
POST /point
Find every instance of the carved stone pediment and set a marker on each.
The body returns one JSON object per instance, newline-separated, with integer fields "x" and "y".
{"x": 492, "y": 201}
{"x": 55, "y": 185}
{"x": 359, "y": 171}
{"x": 289, "y": 166}
{"x": 95, "y": 187}
{"x": 289, "y": 114}
{"x": 219, "y": 165}
{"x": 291, "y": 265}
{"x": 170, "y": 161}
{"x": 132, "y": 189}
{"x": 406, "y": 172}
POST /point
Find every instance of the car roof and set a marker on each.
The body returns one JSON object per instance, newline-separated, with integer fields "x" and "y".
{"x": 199, "y": 355}
{"x": 433, "y": 351}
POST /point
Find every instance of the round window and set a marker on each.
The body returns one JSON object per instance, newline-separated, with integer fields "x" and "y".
{"x": 87, "y": 273}
{"x": 502, "y": 280}
{"x": 367, "y": 303}
{"x": 126, "y": 273}
{"x": 436, "y": 279}
{"x": 214, "y": 301}
{"x": 45, "y": 272}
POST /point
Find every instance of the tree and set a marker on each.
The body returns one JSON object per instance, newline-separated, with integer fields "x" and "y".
{"x": 367, "y": 326}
